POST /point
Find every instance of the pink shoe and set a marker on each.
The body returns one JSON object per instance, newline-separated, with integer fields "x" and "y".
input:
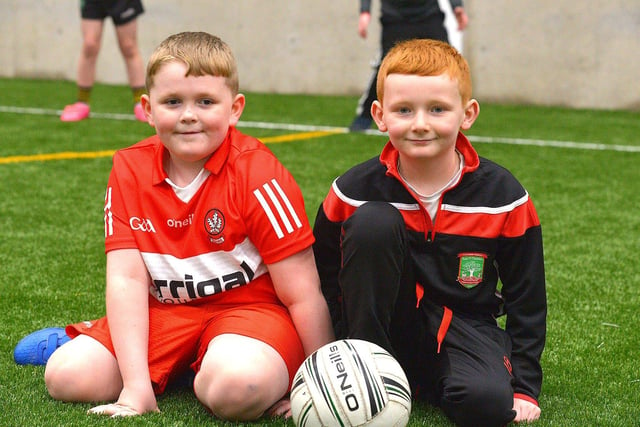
{"x": 75, "y": 112}
{"x": 139, "y": 112}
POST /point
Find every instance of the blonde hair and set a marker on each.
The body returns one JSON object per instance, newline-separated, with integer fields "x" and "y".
{"x": 202, "y": 53}
{"x": 425, "y": 57}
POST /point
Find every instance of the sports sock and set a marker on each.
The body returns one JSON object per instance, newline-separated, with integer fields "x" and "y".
{"x": 84, "y": 94}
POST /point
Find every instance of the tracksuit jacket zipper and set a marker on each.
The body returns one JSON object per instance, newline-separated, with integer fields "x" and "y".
{"x": 447, "y": 314}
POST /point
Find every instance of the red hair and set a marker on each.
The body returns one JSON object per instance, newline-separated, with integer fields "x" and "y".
{"x": 425, "y": 57}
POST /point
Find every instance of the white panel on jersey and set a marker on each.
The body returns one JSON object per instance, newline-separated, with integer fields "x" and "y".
{"x": 180, "y": 280}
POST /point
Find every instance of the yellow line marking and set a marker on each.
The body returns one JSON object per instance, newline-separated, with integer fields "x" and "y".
{"x": 57, "y": 156}
{"x": 297, "y": 136}
{"x": 72, "y": 155}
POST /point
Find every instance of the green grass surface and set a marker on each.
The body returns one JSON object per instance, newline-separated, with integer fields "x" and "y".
{"x": 52, "y": 260}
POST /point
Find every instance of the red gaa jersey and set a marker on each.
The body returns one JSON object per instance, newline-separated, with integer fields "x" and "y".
{"x": 247, "y": 212}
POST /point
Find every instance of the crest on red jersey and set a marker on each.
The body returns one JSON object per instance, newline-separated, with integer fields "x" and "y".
{"x": 214, "y": 225}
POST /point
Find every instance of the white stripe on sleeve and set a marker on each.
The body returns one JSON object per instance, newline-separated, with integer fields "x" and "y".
{"x": 269, "y": 212}
{"x": 278, "y": 205}
{"x": 286, "y": 201}
{"x": 279, "y": 200}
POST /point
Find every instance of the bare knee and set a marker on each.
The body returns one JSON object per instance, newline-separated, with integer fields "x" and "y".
{"x": 91, "y": 48}
{"x": 244, "y": 390}
{"x": 56, "y": 377}
{"x": 82, "y": 371}
{"x": 65, "y": 382}
{"x": 129, "y": 49}
{"x": 233, "y": 395}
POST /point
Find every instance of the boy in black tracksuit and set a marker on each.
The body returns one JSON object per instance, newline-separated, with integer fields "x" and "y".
{"x": 421, "y": 249}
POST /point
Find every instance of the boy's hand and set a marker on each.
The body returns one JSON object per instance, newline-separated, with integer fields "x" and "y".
{"x": 113, "y": 410}
{"x": 461, "y": 18}
{"x": 363, "y": 24}
{"x": 126, "y": 406}
{"x": 525, "y": 410}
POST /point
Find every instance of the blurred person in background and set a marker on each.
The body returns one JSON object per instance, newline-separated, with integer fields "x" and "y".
{"x": 124, "y": 14}
{"x": 401, "y": 20}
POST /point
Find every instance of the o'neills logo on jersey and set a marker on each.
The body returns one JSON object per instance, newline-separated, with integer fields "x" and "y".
{"x": 180, "y": 223}
{"x": 214, "y": 225}
{"x": 141, "y": 224}
{"x": 471, "y": 269}
{"x": 182, "y": 291}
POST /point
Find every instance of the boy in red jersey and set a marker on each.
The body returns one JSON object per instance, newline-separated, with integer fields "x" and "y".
{"x": 411, "y": 247}
{"x": 209, "y": 258}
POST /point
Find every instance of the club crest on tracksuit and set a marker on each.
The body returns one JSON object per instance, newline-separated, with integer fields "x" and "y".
{"x": 470, "y": 269}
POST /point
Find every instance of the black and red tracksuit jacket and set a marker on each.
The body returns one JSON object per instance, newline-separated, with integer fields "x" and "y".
{"x": 487, "y": 214}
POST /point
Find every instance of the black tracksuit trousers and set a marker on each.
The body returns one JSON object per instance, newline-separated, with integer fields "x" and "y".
{"x": 468, "y": 375}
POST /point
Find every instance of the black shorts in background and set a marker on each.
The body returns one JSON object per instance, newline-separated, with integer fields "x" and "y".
{"x": 121, "y": 11}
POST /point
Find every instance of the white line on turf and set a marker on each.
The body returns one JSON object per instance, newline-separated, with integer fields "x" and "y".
{"x": 313, "y": 128}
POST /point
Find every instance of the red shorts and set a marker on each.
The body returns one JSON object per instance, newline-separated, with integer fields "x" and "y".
{"x": 179, "y": 334}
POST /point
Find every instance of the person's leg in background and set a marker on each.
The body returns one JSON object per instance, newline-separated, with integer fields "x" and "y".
{"x": 127, "y": 35}
{"x": 86, "y": 72}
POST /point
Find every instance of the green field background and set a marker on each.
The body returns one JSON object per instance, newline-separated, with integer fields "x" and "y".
{"x": 580, "y": 167}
